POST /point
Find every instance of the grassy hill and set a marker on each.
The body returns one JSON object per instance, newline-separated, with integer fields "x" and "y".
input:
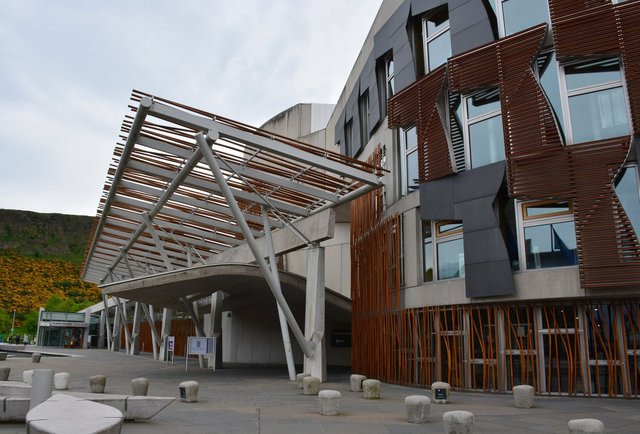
{"x": 40, "y": 256}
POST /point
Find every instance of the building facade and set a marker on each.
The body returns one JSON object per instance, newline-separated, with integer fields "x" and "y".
{"x": 503, "y": 248}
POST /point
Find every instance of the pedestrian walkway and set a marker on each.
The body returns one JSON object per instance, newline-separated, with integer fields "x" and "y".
{"x": 263, "y": 400}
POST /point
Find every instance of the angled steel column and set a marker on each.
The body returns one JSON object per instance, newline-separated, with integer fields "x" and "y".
{"x": 165, "y": 331}
{"x": 123, "y": 319}
{"x": 155, "y": 339}
{"x": 286, "y": 340}
{"x": 306, "y": 346}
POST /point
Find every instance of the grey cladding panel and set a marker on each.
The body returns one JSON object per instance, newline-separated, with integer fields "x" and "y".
{"x": 470, "y": 25}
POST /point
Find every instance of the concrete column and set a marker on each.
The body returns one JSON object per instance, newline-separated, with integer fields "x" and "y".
{"x": 314, "y": 314}
{"x": 41, "y": 386}
{"x": 215, "y": 328}
{"x": 101, "y": 329}
{"x": 85, "y": 334}
{"x": 115, "y": 333}
{"x": 135, "y": 331}
{"x": 165, "y": 332}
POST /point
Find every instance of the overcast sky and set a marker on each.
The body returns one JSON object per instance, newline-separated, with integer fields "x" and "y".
{"x": 67, "y": 69}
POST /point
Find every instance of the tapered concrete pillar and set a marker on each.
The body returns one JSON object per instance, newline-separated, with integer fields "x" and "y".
{"x": 314, "y": 314}
{"x": 215, "y": 328}
{"x": 85, "y": 334}
{"x": 101, "y": 329}
{"x": 135, "y": 330}
{"x": 166, "y": 331}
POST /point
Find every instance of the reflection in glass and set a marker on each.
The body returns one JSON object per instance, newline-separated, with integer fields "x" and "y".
{"x": 627, "y": 191}
{"x": 439, "y": 50}
{"x": 483, "y": 102}
{"x": 598, "y": 115}
{"x": 592, "y": 73}
{"x": 451, "y": 259}
{"x": 448, "y": 228}
{"x": 522, "y": 14}
{"x": 548, "y": 73}
{"x": 437, "y": 21}
{"x": 412, "y": 171}
{"x": 552, "y": 245}
{"x": 549, "y": 208}
{"x": 486, "y": 141}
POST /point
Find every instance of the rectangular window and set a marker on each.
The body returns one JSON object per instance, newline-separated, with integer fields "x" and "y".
{"x": 549, "y": 234}
{"x": 348, "y": 138}
{"x": 385, "y": 73}
{"x": 442, "y": 250}
{"x": 409, "y": 160}
{"x": 595, "y": 103}
{"x": 436, "y": 38}
{"x": 485, "y": 137}
{"x": 363, "y": 111}
{"x": 628, "y": 192}
{"x": 516, "y": 15}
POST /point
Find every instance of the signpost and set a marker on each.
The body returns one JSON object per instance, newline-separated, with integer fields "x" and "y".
{"x": 201, "y": 346}
{"x": 171, "y": 341}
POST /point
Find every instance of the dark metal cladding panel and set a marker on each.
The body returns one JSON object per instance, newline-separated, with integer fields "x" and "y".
{"x": 417, "y": 105}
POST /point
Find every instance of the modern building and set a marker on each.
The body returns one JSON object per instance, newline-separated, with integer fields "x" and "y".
{"x": 503, "y": 248}
{"x": 475, "y": 189}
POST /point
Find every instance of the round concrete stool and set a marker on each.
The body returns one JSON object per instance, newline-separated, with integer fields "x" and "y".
{"x": 35, "y": 357}
{"x": 523, "y": 396}
{"x": 441, "y": 392}
{"x": 97, "y": 383}
{"x": 418, "y": 408}
{"x": 189, "y": 391}
{"x": 61, "y": 380}
{"x": 329, "y": 401}
{"x": 27, "y": 376}
{"x": 4, "y": 373}
{"x": 458, "y": 422}
{"x": 355, "y": 381}
{"x": 584, "y": 426}
{"x": 299, "y": 378}
{"x": 139, "y": 386}
{"x": 311, "y": 385}
{"x": 371, "y": 389}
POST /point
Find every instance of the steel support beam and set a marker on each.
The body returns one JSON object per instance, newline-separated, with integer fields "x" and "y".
{"x": 306, "y": 346}
{"x": 155, "y": 338}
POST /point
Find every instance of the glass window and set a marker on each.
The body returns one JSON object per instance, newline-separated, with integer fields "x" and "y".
{"x": 409, "y": 163}
{"x": 436, "y": 38}
{"x": 348, "y": 138}
{"x": 627, "y": 189}
{"x": 385, "y": 72}
{"x": 596, "y": 102}
{"x": 427, "y": 252}
{"x": 549, "y": 234}
{"x": 363, "y": 110}
{"x": 485, "y": 137}
{"x": 517, "y": 15}
{"x": 450, "y": 259}
{"x": 548, "y": 76}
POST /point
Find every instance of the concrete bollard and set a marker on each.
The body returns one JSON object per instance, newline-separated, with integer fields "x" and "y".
{"x": 97, "y": 383}
{"x": 35, "y": 357}
{"x": 441, "y": 392}
{"x": 355, "y": 382}
{"x": 42, "y": 384}
{"x": 371, "y": 389}
{"x": 139, "y": 386}
{"x": 418, "y": 408}
{"x": 458, "y": 422}
{"x": 61, "y": 380}
{"x": 299, "y": 378}
{"x": 311, "y": 385}
{"x": 4, "y": 373}
{"x": 584, "y": 426}
{"x": 329, "y": 401}
{"x": 523, "y": 396}
{"x": 3, "y": 355}
{"x": 189, "y": 391}
{"x": 27, "y": 376}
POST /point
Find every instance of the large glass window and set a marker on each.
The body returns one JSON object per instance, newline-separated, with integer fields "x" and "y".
{"x": 348, "y": 138}
{"x": 549, "y": 234}
{"x": 596, "y": 102}
{"x": 517, "y": 15}
{"x": 427, "y": 252}
{"x": 385, "y": 71}
{"x": 443, "y": 250}
{"x": 363, "y": 110}
{"x": 409, "y": 160}
{"x": 627, "y": 189}
{"x": 436, "y": 38}
{"x": 485, "y": 138}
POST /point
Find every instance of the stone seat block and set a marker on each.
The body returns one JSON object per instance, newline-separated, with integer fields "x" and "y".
{"x": 418, "y": 408}
{"x": 27, "y": 376}
{"x": 585, "y": 426}
{"x": 35, "y": 357}
{"x": 189, "y": 391}
{"x": 299, "y": 378}
{"x": 3, "y": 355}
{"x": 311, "y": 385}
{"x": 4, "y": 373}
{"x": 16, "y": 389}
{"x": 355, "y": 382}
{"x": 16, "y": 409}
{"x": 371, "y": 389}
{"x": 61, "y": 380}
{"x": 523, "y": 396}
{"x": 438, "y": 388}
{"x": 145, "y": 407}
{"x": 97, "y": 383}
{"x": 139, "y": 386}
{"x": 458, "y": 422}
{"x": 329, "y": 401}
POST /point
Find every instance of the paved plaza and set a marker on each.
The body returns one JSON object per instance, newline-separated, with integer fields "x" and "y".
{"x": 263, "y": 400}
